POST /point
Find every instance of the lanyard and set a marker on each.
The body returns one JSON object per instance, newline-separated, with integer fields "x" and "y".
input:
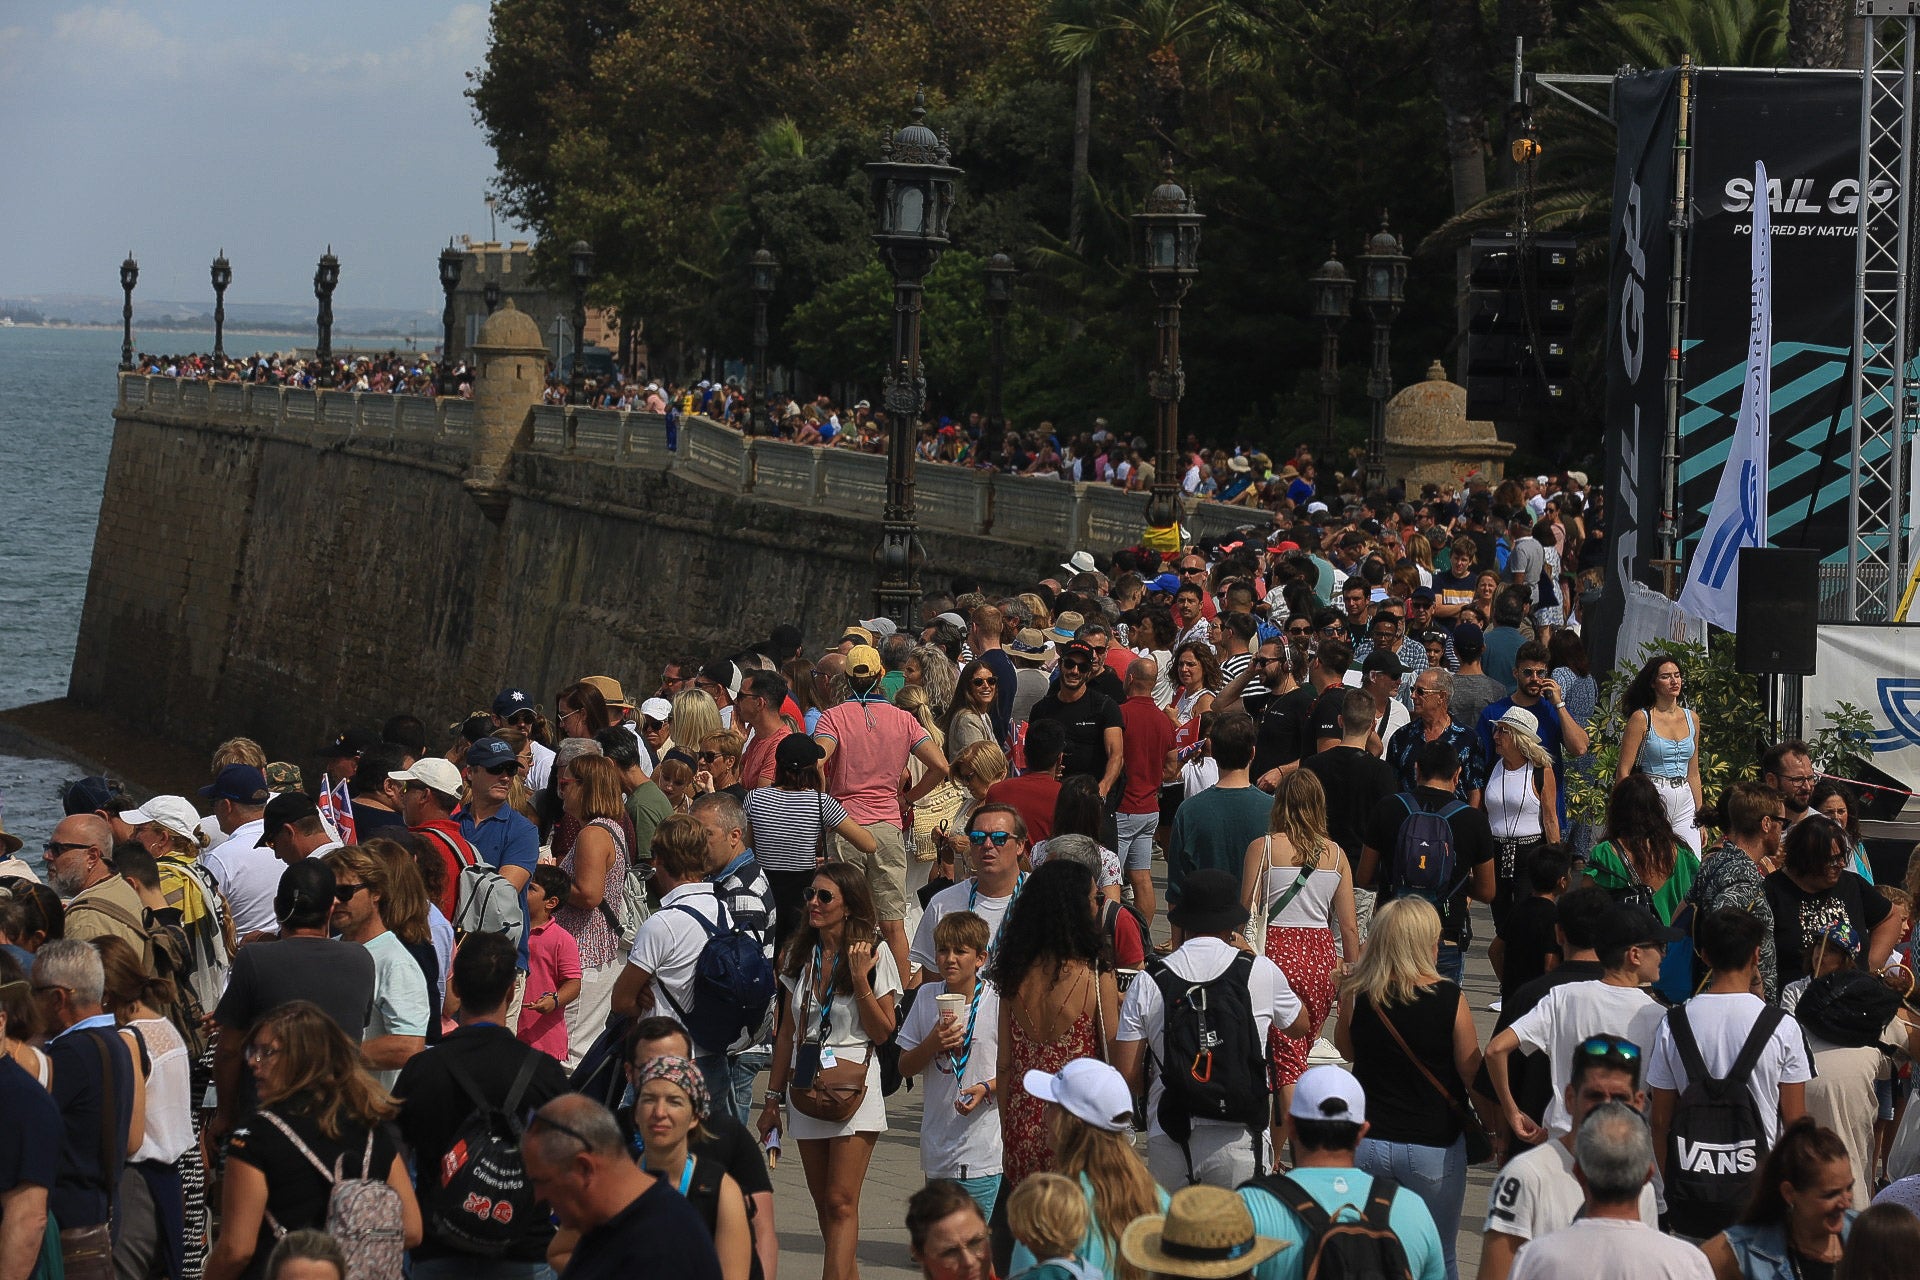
{"x": 958, "y": 1061}
{"x": 973, "y": 897}
{"x": 686, "y": 1167}
{"x": 826, "y": 1007}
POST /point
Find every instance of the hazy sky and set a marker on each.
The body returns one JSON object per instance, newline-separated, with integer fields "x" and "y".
{"x": 176, "y": 127}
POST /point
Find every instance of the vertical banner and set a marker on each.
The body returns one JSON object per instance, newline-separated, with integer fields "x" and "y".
{"x": 1738, "y": 517}
{"x": 1646, "y": 110}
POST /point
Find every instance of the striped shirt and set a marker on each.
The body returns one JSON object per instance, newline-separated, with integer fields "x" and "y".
{"x": 785, "y": 826}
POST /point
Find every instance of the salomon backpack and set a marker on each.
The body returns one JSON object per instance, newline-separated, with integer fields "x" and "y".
{"x": 1212, "y": 1059}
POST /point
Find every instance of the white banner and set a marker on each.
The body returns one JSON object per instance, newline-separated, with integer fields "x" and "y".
{"x": 1878, "y": 670}
{"x": 1739, "y": 514}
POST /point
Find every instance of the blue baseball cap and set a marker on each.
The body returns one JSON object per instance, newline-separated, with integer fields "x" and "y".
{"x": 512, "y": 702}
{"x": 490, "y": 753}
{"x": 240, "y": 783}
{"x": 1165, "y": 584}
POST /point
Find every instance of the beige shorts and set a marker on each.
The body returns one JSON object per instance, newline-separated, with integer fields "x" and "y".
{"x": 886, "y": 868}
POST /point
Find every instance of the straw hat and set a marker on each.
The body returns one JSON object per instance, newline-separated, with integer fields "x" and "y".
{"x": 1206, "y": 1233}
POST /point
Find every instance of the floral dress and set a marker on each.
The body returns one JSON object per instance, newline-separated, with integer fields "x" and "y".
{"x": 1026, "y": 1144}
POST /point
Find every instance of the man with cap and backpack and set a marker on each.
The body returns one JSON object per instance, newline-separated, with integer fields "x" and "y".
{"x": 1201, "y": 1017}
{"x": 1334, "y": 1218}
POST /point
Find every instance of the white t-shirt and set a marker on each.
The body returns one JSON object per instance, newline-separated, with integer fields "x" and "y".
{"x": 1720, "y": 1023}
{"x": 542, "y": 770}
{"x": 669, "y": 944}
{"x": 249, "y": 876}
{"x": 1609, "y": 1249}
{"x": 1143, "y": 1013}
{"x": 1571, "y": 1013}
{"x": 1536, "y": 1193}
{"x": 399, "y": 996}
{"x": 960, "y": 897}
{"x": 953, "y": 1145}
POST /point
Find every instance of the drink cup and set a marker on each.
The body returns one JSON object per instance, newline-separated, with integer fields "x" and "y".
{"x": 953, "y": 1003}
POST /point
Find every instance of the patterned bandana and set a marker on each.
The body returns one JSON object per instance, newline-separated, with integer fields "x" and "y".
{"x": 681, "y": 1072}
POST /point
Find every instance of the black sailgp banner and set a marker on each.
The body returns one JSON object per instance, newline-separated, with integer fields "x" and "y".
{"x": 1645, "y": 108}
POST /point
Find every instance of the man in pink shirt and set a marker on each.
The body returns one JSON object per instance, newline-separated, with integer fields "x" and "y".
{"x": 868, "y": 741}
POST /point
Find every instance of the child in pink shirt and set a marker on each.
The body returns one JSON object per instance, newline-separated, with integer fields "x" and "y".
{"x": 553, "y": 965}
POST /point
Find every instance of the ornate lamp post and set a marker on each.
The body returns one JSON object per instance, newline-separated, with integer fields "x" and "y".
{"x": 1383, "y": 287}
{"x": 581, "y": 259}
{"x": 763, "y": 267}
{"x": 129, "y": 276}
{"x": 451, "y": 261}
{"x": 222, "y": 277}
{"x": 1000, "y": 274}
{"x": 1167, "y": 241}
{"x": 912, "y": 185}
{"x": 1332, "y": 295}
{"x": 325, "y": 278}
{"x": 492, "y": 295}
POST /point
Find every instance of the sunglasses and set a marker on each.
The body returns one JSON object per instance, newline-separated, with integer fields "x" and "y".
{"x": 1074, "y": 664}
{"x": 998, "y": 838}
{"x": 983, "y": 682}
{"x": 651, "y": 725}
{"x": 56, "y": 849}
{"x": 821, "y": 896}
{"x": 708, "y": 757}
{"x": 504, "y": 770}
{"x": 1307, "y": 630}
{"x": 345, "y": 892}
{"x": 1609, "y": 1051}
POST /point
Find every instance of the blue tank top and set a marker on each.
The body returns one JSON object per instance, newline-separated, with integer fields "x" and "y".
{"x": 1663, "y": 757}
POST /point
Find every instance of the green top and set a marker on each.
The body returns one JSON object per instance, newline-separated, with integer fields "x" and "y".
{"x": 648, "y": 806}
{"x": 1606, "y": 869}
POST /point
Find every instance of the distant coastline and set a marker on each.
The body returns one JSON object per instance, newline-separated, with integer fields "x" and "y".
{"x": 153, "y": 326}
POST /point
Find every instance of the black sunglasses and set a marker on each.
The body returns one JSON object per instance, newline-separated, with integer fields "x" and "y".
{"x": 821, "y": 896}
{"x": 1074, "y": 664}
{"x": 504, "y": 770}
{"x": 345, "y": 892}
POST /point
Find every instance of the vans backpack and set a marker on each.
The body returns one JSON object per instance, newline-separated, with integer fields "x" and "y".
{"x": 1716, "y": 1139}
{"x": 487, "y": 902}
{"x": 483, "y": 1200}
{"x": 1364, "y": 1248}
{"x": 732, "y": 983}
{"x": 363, "y": 1214}
{"x": 1424, "y": 863}
{"x": 1212, "y": 1060}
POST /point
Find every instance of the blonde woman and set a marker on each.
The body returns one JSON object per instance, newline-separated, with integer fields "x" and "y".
{"x": 933, "y": 811}
{"x": 1299, "y": 889}
{"x": 930, "y": 668}
{"x": 1520, "y": 810}
{"x": 1400, "y": 1020}
{"x": 976, "y": 768}
{"x": 169, "y": 828}
{"x": 695, "y": 719}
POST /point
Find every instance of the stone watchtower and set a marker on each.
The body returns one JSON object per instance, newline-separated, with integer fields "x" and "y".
{"x": 1430, "y": 439}
{"x": 510, "y": 377}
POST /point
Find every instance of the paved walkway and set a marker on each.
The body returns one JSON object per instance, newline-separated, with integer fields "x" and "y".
{"x": 895, "y": 1172}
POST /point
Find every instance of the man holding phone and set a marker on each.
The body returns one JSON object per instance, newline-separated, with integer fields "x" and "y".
{"x": 1560, "y": 733}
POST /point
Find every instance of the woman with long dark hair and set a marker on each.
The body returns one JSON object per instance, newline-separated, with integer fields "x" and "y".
{"x": 1057, "y": 1003}
{"x": 1661, "y": 741}
{"x": 1797, "y": 1222}
{"x": 1640, "y": 862}
{"x": 971, "y": 718}
{"x": 580, "y": 711}
{"x": 1883, "y": 1245}
{"x": 1834, "y": 799}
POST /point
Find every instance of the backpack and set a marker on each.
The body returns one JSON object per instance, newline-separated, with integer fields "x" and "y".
{"x": 1364, "y": 1248}
{"x": 1849, "y": 1007}
{"x": 732, "y": 983}
{"x": 1423, "y": 863}
{"x": 1110, "y": 929}
{"x": 1213, "y": 1059}
{"x": 602, "y": 1072}
{"x": 363, "y": 1214}
{"x": 626, "y": 914}
{"x": 486, "y": 902}
{"x": 483, "y": 1200}
{"x": 172, "y": 960}
{"x": 1716, "y": 1139}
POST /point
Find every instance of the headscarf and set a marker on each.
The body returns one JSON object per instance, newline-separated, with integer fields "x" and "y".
{"x": 681, "y": 1072}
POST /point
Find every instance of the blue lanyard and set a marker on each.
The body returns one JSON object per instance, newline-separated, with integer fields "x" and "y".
{"x": 826, "y": 1007}
{"x": 958, "y": 1061}
{"x": 973, "y": 897}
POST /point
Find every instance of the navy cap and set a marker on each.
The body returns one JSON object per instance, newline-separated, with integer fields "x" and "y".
{"x": 490, "y": 753}
{"x": 240, "y": 783}
{"x": 511, "y": 703}
{"x": 89, "y": 794}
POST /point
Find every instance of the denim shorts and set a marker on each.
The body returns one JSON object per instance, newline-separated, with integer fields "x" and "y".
{"x": 1136, "y": 839}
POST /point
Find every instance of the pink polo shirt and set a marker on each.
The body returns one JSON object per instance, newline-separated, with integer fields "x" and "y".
{"x": 553, "y": 957}
{"x": 872, "y": 743}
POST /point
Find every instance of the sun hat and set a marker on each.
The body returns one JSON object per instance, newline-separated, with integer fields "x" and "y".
{"x": 1031, "y": 646}
{"x": 175, "y": 813}
{"x": 1521, "y": 722}
{"x": 1065, "y": 626}
{"x": 1205, "y": 1234}
{"x": 1080, "y": 562}
{"x": 610, "y": 691}
{"x": 1209, "y": 902}
{"x": 1088, "y": 1089}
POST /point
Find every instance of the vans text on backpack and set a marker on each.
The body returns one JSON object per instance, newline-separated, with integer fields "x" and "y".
{"x": 487, "y": 902}
{"x": 482, "y": 1200}
{"x": 732, "y": 984}
{"x": 1424, "y": 864}
{"x": 1364, "y": 1248}
{"x": 1716, "y": 1138}
{"x": 1212, "y": 1058}
{"x": 363, "y": 1213}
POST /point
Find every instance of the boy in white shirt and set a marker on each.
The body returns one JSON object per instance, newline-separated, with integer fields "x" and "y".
{"x": 959, "y": 1127}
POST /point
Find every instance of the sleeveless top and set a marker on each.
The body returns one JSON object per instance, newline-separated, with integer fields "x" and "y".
{"x": 1663, "y": 757}
{"x": 1312, "y": 907}
{"x": 1183, "y": 703}
{"x": 1513, "y": 806}
{"x": 588, "y": 925}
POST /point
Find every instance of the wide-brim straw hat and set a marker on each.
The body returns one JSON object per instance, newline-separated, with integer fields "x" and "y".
{"x": 1206, "y": 1233}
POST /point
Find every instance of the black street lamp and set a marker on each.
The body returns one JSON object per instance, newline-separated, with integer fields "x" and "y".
{"x": 1167, "y": 240}
{"x": 1000, "y": 274}
{"x": 581, "y": 257}
{"x": 222, "y": 277}
{"x": 325, "y": 278}
{"x": 912, "y": 187}
{"x": 129, "y": 276}
{"x": 492, "y": 295}
{"x": 1332, "y": 296}
{"x": 1383, "y": 287}
{"x": 763, "y": 267}
{"x": 451, "y": 262}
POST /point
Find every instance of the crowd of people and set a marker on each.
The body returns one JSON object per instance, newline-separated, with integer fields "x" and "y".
{"x": 549, "y": 992}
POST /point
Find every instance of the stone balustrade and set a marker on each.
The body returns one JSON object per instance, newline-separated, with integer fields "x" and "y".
{"x": 1020, "y": 509}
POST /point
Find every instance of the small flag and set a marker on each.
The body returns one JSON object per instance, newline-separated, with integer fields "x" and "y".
{"x": 343, "y": 809}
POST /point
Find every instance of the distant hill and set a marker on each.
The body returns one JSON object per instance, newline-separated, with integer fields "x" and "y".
{"x": 161, "y": 314}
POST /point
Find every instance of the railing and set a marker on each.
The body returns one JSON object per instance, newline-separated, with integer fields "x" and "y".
{"x": 1047, "y": 513}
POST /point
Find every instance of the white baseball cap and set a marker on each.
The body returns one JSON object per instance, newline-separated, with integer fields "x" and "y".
{"x": 1090, "y": 1090}
{"x": 657, "y": 709}
{"x": 1316, "y": 508}
{"x": 1328, "y": 1093}
{"x": 175, "y": 813}
{"x": 433, "y": 773}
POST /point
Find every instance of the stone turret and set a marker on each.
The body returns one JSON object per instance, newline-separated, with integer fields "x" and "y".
{"x": 509, "y": 378}
{"x": 1430, "y": 440}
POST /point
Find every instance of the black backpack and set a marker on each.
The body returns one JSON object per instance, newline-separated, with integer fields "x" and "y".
{"x": 602, "y": 1071}
{"x": 1362, "y": 1249}
{"x": 1213, "y": 1062}
{"x": 1110, "y": 927}
{"x": 1849, "y": 1007}
{"x": 1716, "y": 1139}
{"x": 481, "y": 1199}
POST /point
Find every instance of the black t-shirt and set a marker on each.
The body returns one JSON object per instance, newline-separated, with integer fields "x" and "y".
{"x": 337, "y": 976}
{"x": 368, "y": 820}
{"x": 1086, "y": 721}
{"x": 433, "y": 1106}
{"x": 659, "y": 1226}
{"x": 1401, "y": 1105}
{"x": 1326, "y": 715}
{"x": 1530, "y": 940}
{"x": 1355, "y": 782}
{"x": 297, "y": 1195}
{"x": 82, "y": 1194}
{"x": 1486, "y": 548}
{"x": 1472, "y": 845}
{"x": 1106, "y": 681}
{"x": 1284, "y": 723}
{"x": 1800, "y": 917}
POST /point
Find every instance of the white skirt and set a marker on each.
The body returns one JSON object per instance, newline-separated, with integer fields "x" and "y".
{"x": 870, "y": 1118}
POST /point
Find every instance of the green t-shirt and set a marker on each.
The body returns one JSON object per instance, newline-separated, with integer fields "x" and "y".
{"x": 648, "y": 806}
{"x": 1213, "y": 830}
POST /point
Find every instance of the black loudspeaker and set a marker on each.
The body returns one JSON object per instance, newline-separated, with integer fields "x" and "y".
{"x": 1778, "y": 611}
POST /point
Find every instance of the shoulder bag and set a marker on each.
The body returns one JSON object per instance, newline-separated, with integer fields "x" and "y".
{"x": 836, "y": 1092}
{"x": 1479, "y": 1143}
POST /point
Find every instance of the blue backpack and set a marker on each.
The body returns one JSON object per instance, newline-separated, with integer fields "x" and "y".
{"x": 732, "y": 983}
{"x": 1424, "y": 862}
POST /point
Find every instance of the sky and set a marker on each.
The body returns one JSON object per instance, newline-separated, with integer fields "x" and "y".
{"x": 176, "y": 128}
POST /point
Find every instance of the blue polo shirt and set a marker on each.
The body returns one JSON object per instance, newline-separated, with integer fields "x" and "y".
{"x": 1343, "y": 1194}
{"x": 507, "y": 839}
